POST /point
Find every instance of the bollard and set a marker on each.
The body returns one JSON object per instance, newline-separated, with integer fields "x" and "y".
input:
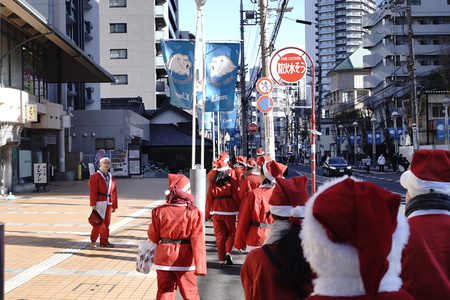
{"x": 2, "y": 259}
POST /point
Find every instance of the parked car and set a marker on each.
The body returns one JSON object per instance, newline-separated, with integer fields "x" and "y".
{"x": 336, "y": 166}
{"x": 284, "y": 160}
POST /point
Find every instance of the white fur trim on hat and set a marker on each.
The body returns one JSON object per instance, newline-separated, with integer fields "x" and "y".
{"x": 417, "y": 186}
{"x": 338, "y": 274}
{"x": 266, "y": 172}
{"x": 288, "y": 211}
{"x": 104, "y": 158}
{"x": 223, "y": 168}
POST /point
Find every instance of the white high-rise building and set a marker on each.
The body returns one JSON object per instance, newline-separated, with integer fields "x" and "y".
{"x": 130, "y": 34}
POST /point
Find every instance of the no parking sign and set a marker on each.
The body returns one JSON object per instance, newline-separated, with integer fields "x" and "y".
{"x": 264, "y": 104}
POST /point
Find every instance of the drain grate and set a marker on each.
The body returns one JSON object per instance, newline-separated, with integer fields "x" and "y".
{"x": 92, "y": 287}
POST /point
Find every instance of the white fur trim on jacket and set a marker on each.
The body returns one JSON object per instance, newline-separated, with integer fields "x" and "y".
{"x": 337, "y": 264}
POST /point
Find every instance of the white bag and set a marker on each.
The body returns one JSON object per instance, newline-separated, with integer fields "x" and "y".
{"x": 145, "y": 256}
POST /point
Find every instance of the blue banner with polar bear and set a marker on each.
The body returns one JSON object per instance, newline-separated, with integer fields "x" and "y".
{"x": 179, "y": 62}
{"x": 221, "y": 69}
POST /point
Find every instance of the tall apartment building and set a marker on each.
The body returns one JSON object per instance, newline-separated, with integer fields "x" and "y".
{"x": 339, "y": 33}
{"x": 130, "y": 34}
{"x": 391, "y": 59}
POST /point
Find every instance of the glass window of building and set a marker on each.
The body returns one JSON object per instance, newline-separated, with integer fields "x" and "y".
{"x": 117, "y": 3}
{"x": 107, "y": 144}
{"x": 118, "y": 28}
{"x": 118, "y": 53}
{"x": 121, "y": 79}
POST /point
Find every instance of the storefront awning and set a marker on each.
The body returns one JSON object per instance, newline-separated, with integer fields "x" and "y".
{"x": 67, "y": 62}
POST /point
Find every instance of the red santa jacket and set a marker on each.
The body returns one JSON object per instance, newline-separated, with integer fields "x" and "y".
{"x": 259, "y": 279}
{"x": 239, "y": 170}
{"x": 253, "y": 223}
{"x": 223, "y": 200}
{"x": 426, "y": 259}
{"x": 250, "y": 182}
{"x": 99, "y": 191}
{"x": 180, "y": 237}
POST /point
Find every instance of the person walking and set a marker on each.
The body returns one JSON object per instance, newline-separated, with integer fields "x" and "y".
{"x": 177, "y": 229}
{"x": 368, "y": 162}
{"x": 103, "y": 198}
{"x": 426, "y": 259}
{"x": 222, "y": 206}
{"x": 240, "y": 167}
{"x": 353, "y": 236}
{"x": 252, "y": 179}
{"x": 254, "y": 219}
{"x": 394, "y": 163}
{"x": 278, "y": 270}
{"x": 381, "y": 162}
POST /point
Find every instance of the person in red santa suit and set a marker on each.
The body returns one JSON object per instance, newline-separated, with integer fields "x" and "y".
{"x": 239, "y": 167}
{"x": 222, "y": 206}
{"x": 254, "y": 219}
{"x": 278, "y": 269}
{"x": 353, "y": 236}
{"x": 177, "y": 229}
{"x": 103, "y": 198}
{"x": 426, "y": 258}
{"x": 252, "y": 179}
{"x": 260, "y": 152}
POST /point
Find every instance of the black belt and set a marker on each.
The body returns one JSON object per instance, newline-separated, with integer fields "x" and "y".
{"x": 256, "y": 224}
{"x": 176, "y": 241}
{"x": 103, "y": 194}
{"x": 223, "y": 197}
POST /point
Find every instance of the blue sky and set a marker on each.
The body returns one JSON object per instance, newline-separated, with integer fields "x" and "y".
{"x": 221, "y": 22}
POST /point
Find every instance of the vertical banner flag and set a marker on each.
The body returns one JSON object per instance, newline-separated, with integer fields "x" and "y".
{"x": 179, "y": 62}
{"x": 199, "y": 111}
{"x": 440, "y": 129}
{"x": 228, "y": 118}
{"x": 221, "y": 69}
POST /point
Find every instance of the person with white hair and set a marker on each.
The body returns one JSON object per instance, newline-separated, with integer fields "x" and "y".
{"x": 426, "y": 259}
{"x": 103, "y": 198}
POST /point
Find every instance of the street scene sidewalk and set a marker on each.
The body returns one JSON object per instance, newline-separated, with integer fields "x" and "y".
{"x": 47, "y": 236}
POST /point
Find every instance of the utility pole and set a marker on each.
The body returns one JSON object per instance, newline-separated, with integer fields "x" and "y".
{"x": 244, "y": 102}
{"x": 269, "y": 136}
{"x": 412, "y": 78}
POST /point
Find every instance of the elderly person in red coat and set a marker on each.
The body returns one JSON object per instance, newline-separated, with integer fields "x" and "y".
{"x": 426, "y": 259}
{"x": 278, "y": 269}
{"x": 254, "y": 218}
{"x": 353, "y": 236}
{"x": 177, "y": 229}
{"x": 222, "y": 206}
{"x": 103, "y": 198}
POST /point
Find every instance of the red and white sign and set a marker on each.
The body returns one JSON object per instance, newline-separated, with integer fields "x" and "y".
{"x": 264, "y": 85}
{"x": 252, "y": 127}
{"x": 288, "y": 66}
{"x": 264, "y": 104}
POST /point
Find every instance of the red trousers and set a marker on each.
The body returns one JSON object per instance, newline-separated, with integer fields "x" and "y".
{"x": 224, "y": 232}
{"x": 169, "y": 280}
{"x": 102, "y": 229}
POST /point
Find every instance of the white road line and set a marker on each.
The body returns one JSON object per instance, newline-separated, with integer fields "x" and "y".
{"x": 43, "y": 266}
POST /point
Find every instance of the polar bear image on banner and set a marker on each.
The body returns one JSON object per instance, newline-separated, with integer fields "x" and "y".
{"x": 220, "y": 66}
{"x": 179, "y": 63}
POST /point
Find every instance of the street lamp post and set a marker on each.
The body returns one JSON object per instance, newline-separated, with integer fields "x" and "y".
{"x": 355, "y": 124}
{"x": 394, "y": 116}
{"x": 446, "y": 103}
{"x": 374, "y": 151}
{"x": 340, "y": 138}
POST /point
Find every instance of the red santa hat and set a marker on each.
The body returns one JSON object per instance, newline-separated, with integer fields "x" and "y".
{"x": 224, "y": 156}
{"x": 179, "y": 180}
{"x": 260, "y": 160}
{"x": 222, "y": 165}
{"x": 242, "y": 160}
{"x": 346, "y": 219}
{"x": 289, "y": 197}
{"x": 427, "y": 173}
{"x": 251, "y": 162}
{"x": 273, "y": 169}
{"x": 104, "y": 159}
{"x": 260, "y": 152}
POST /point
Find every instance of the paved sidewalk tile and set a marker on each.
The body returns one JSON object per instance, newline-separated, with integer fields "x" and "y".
{"x": 47, "y": 251}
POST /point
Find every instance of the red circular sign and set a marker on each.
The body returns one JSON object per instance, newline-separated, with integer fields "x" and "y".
{"x": 291, "y": 67}
{"x": 252, "y": 127}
